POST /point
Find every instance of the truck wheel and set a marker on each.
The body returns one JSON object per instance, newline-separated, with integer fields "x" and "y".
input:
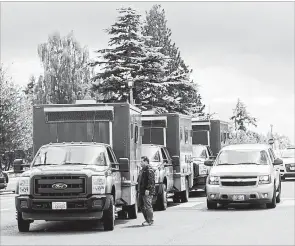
{"x": 6, "y": 177}
{"x": 211, "y": 205}
{"x": 23, "y": 225}
{"x": 132, "y": 211}
{"x": 109, "y": 216}
{"x": 273, "y": 203}
{"x": 185, "y": 194}
{"x": 278, "y": 198}
{"x": 176, "y": 199}
{"x": 162, "y": 202}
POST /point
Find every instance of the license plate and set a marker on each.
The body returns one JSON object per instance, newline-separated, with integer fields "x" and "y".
{"x": 238, "y": 197}
{"x": 292, "y": 168}
{"x": 59, "y": 205}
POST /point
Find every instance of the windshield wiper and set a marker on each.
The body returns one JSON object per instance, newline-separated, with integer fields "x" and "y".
{"x": 74, "y": 163}
{"x": 250, "y": 163}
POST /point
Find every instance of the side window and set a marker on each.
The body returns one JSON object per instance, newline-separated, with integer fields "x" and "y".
{"x": 164, "y": 154}
{"x": 167, "y": 154}
{"x": 186, "y": 135}
{"x": 271, "y": 154}
{"x": 181, "y": 134}
{"x": 131, "y": 131}
{"x": 157, "y": 157}
{"x": 136, "y": 134}
{"x": 111, "y": 155}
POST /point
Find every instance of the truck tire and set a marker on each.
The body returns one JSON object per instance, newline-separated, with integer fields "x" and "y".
{"x": 162, "y": 202}
{"x": 176, "y": 199}
{"x": 6, "y": 177}
{"x": 211, "y": 205}
{"x": 278, "y": 198}
{"x": 132, "y": 211}
{"x": 23, "y": 225}
{"x": 273, "y": 203}
{"x": 109, "y": 216}
{"x": 185, "y": 194}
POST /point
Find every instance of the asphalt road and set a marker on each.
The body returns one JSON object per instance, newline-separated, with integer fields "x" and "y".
{"x": 182, "y": 224}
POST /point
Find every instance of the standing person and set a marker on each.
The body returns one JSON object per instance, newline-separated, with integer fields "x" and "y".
{"x": 146, "y": 185}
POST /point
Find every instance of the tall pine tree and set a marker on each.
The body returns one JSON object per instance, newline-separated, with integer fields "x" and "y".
{"x": 184, "y": 92}
{"x": 129, "y": 59}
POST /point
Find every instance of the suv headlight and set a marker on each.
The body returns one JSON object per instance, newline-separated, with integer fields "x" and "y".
{"x": 214, "y": 180}
{"x": 24, "y": 185}
{"x": 264, "y": 179}
{"x": 98, "y": 185}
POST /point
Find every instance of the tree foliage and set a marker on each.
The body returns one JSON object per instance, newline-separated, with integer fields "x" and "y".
{"x": 15, "y": 115}
{"x": 185, "y": 92}
{"x": 241, "y": 117}
{"x": 66, "y": 75}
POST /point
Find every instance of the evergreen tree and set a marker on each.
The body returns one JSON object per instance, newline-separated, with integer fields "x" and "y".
{"x": 184, "y": 94}
{"x": 130, "y": 59}
{"x": 241, "y": 117}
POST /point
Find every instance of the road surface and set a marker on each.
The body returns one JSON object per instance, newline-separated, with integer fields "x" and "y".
{"x": 182, "y": 224}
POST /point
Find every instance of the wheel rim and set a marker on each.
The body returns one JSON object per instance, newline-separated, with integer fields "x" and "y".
{"x": 114, "y": 214}
{"x": 165, "y": 196}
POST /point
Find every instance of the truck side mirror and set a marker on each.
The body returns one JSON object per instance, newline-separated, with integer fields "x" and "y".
{"x": 124, "y": 165}
{"x": 209, "y": 163}
{"x": 175, "y": 160}
{"x": 277, "y": 162}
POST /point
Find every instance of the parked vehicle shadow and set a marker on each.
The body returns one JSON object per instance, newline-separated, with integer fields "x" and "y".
{"x": 197, "y": 194}
{"x": 236, "y": 207}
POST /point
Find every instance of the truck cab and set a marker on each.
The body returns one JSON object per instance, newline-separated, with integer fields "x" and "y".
{"x": 161, "y": 162}
{"x": 85, "y": 165}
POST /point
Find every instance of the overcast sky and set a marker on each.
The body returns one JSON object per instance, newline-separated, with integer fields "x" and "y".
{"x": 237, "y": 49}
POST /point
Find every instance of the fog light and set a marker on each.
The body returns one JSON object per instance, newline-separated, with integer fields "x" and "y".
{"x": 264, "y": 195}
{"x": 23, "y": 204}
{"x": 212, "y": 196}
{"x": 97, "y": 203}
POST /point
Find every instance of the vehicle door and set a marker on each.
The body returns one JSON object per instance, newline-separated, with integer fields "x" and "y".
{"x": 168, "y": 168}
{"x": 116, "y": 175}
{"x": 276, "y": 169}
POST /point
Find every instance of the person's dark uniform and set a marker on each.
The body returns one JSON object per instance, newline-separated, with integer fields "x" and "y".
{"x": 146, "y": 181}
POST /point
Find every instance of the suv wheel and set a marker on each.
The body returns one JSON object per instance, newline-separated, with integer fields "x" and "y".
{"x": 162, "y": 199}
{"x": 23, "y": 225}
{"x": 211, "y": 205}
{"x": 109, "y": 216}
{"x": 273, "y": 203}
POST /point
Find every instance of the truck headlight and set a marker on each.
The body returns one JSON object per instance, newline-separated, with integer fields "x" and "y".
{"x": 214, "y": 180}
{"x": 202, "y": 169}
{"x": 24, "y": 185}
{"x": 264, "y": 179}
{"x": 98, "y": 185}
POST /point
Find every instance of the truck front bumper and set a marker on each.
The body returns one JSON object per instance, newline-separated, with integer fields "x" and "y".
{"x": 76, "y": 208}
{"x": 252, "y": 194}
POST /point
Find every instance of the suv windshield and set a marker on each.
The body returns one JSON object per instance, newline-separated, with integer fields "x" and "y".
{"x": 288, "y": 153}
{"x": 151, "y": 152}
{"x": 243, "y": 157}
{"x": 199, "y": 151}
{"x": 72, "y": 155}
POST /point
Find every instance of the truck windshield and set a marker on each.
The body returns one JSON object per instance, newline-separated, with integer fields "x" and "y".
{"x": 288, "y": 153}
{"x": 71, "y": 155}
{"x": 243, "y": 157}
{"x": 199, "y": 151}
{"x": 151, "y": 152}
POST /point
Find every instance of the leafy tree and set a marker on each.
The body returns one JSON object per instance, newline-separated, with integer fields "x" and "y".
{"x": 241, "y": 117}
{"x": 66, "y": 72}
{"x": 15, "y": 115}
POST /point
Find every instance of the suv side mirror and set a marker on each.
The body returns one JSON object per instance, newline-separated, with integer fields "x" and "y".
{"x": 209, "y": 163}
{"x": 175, "y": 160}
{"x": 124, "y": 165}
{"x": 277, "y": 161}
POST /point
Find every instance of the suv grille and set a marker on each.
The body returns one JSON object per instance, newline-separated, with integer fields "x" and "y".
{"x": 238, "y": 181}
{"x": 75, "y": 186}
